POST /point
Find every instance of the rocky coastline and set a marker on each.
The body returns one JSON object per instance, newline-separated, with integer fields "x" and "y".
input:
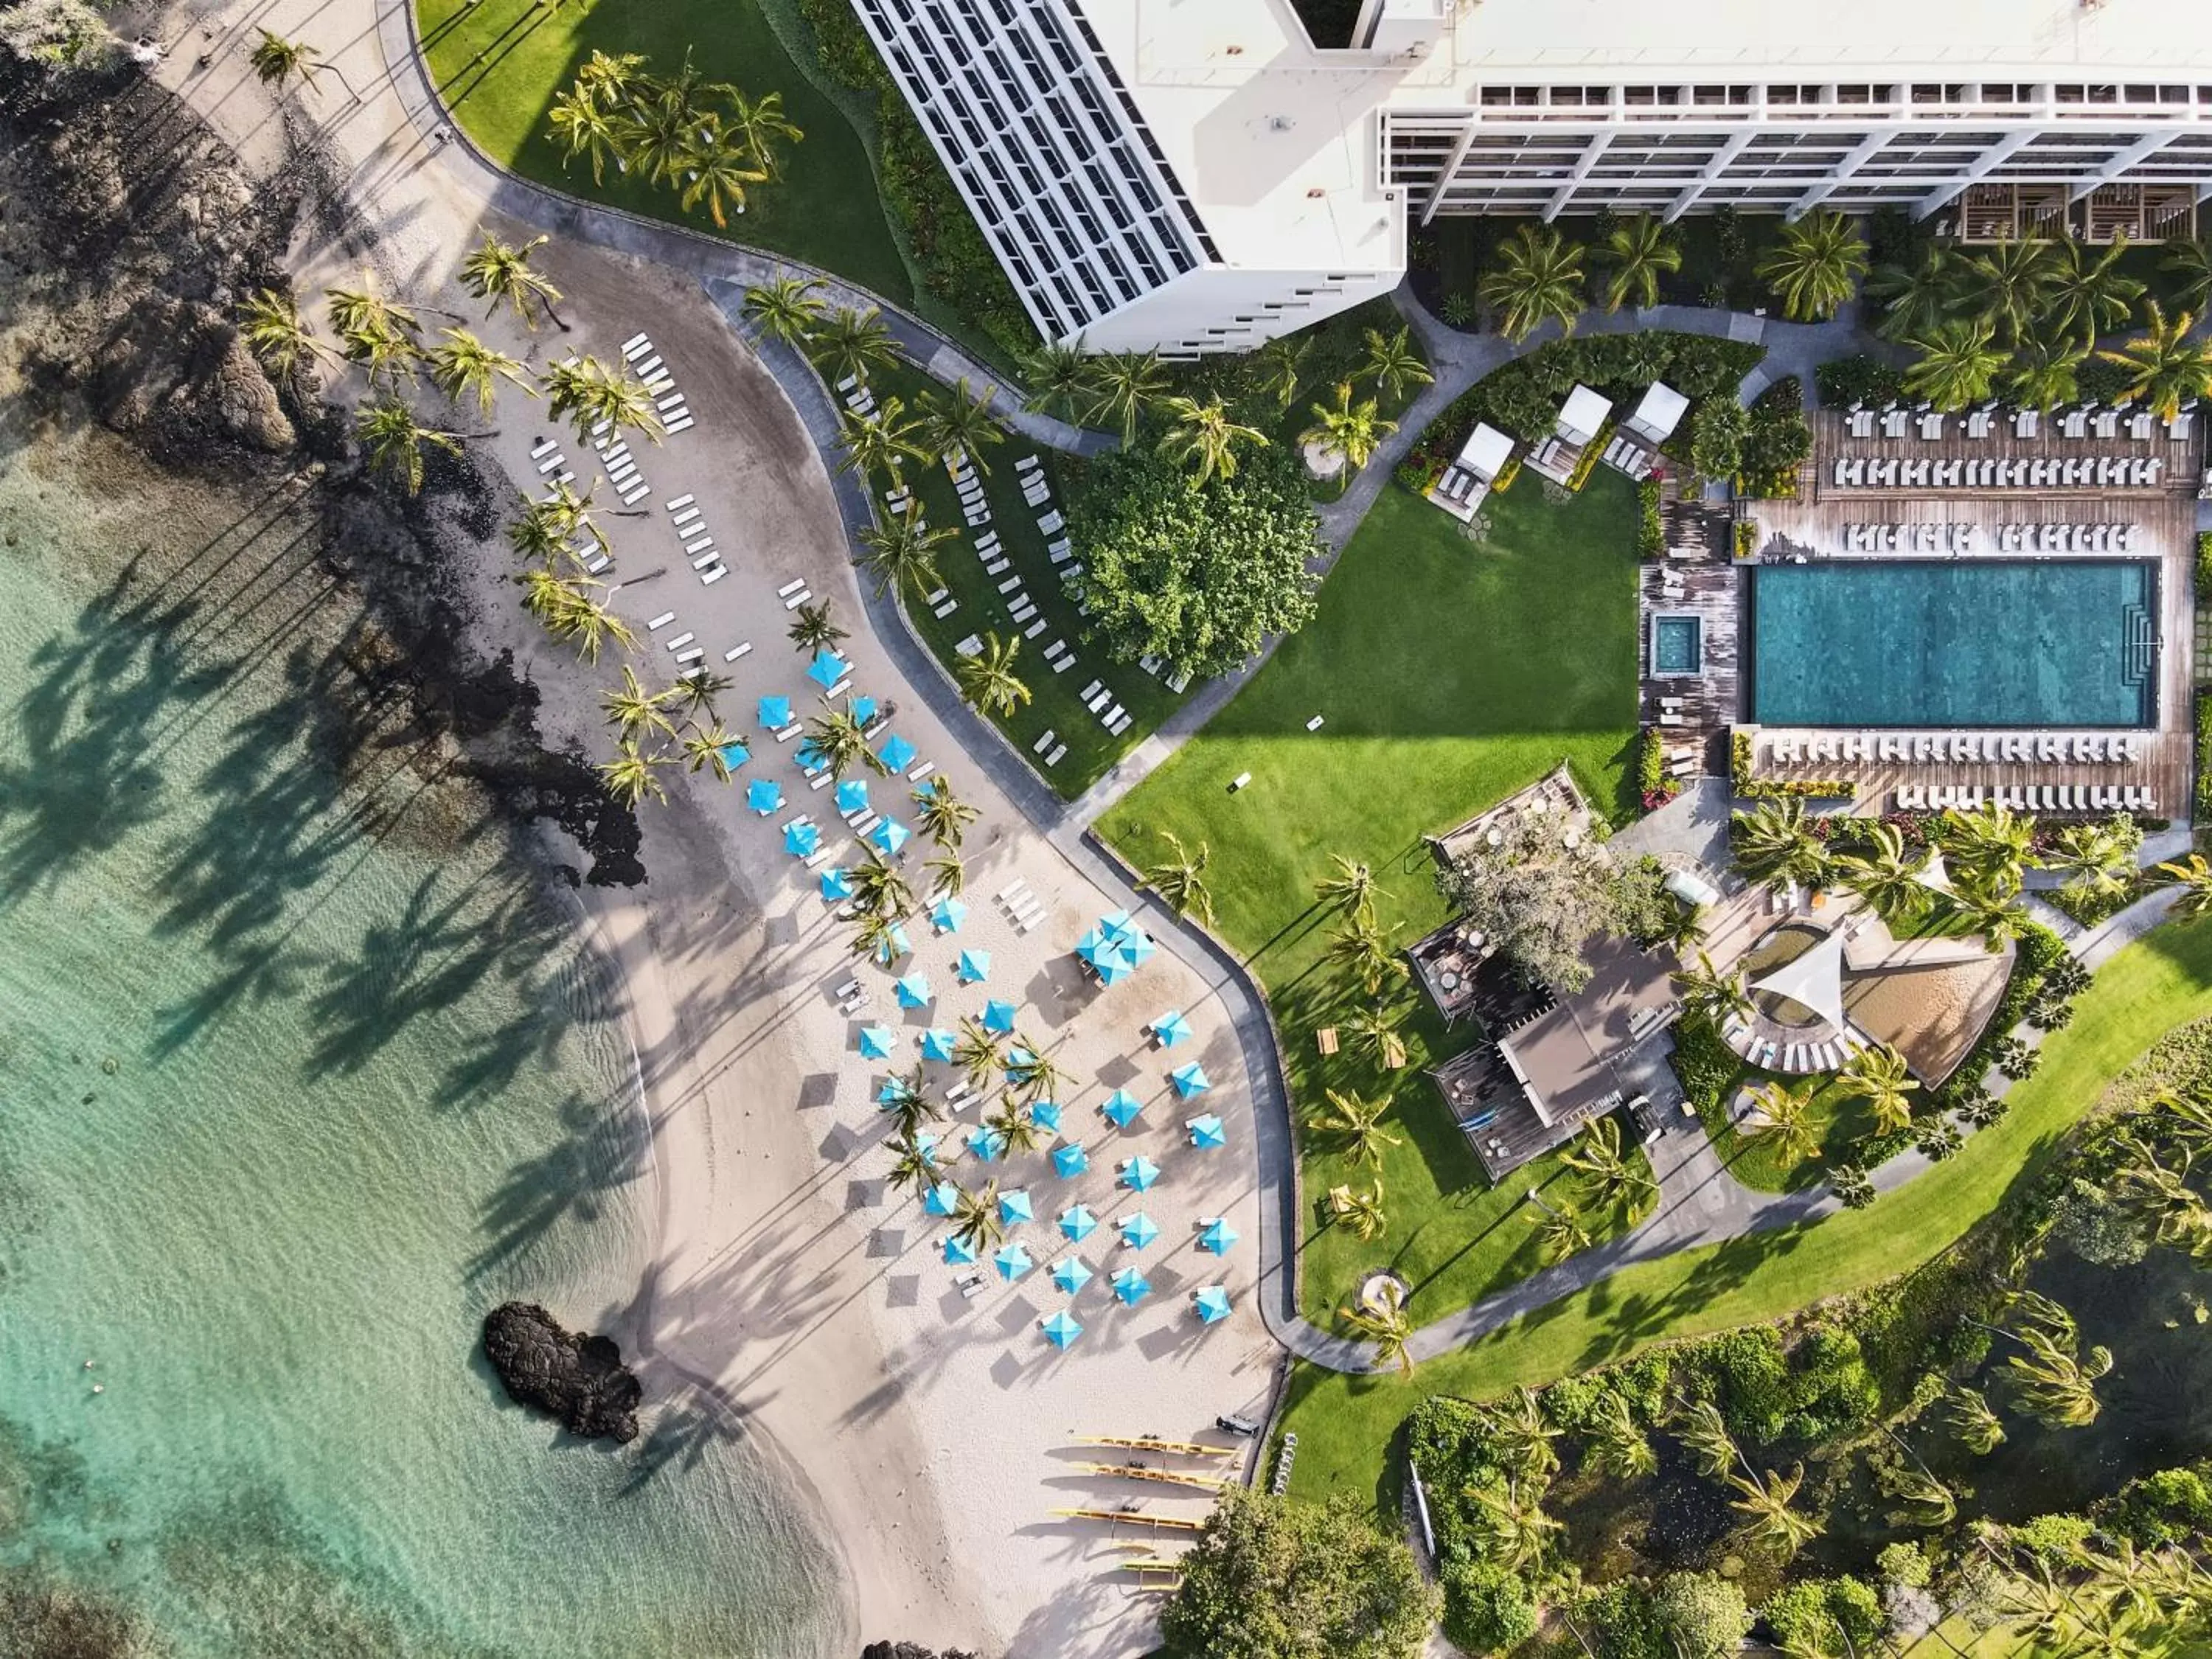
{"x": 578, "y": 1378}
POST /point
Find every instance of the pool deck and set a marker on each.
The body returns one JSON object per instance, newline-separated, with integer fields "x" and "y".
{"x": 1700, "y": 582}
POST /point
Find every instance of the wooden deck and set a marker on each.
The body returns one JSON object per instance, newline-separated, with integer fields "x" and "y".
{"x": 1711, "y": 700}
{"x": 1832, "y": 440}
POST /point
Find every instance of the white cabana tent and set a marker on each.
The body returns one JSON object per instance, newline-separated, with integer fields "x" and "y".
{"x": 1814, "y": 980}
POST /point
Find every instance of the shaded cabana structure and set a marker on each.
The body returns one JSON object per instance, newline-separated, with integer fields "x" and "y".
{"x": 1468, "y": 481}
{"x": 1634, "y": 447}
{"x": 1582, "y": 418}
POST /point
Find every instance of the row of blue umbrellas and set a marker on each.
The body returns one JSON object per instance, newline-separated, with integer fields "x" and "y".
{"x": 1062, "y": 1328}
{"x": 1114, "y": 947}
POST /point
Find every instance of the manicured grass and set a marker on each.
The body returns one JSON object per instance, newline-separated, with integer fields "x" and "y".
{"x": 499, "y": 64}
{"x": 1052, "y": 705}
{"x": 1347, "y": 1424}
{"x": 1841, "y": 1120}
{"x": 1449, "y": 674}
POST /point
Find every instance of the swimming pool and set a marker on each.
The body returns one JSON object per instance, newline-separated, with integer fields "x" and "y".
{"x": 1954, "y": 642}
{"x": 1677, "y": 645}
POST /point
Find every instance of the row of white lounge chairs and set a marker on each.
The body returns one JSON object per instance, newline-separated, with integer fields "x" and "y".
{"x": 1954, "y": 748}
{"x": 2070, "y": 473}
{"x": 2028, "y": 798}
{"x": 1774, "y": 1054}
{"x": 2088, "y": 421}
{"x": 1965, "y": 537}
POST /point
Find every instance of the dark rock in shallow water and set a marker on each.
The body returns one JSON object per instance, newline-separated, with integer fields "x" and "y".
{"x": 577, "y": 1378}
{"x": 910, "y": 1650}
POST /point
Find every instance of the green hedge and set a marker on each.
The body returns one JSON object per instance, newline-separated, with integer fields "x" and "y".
{"x": 1707, "y": 1067}
{"x": 2204, "y": 758}
{"x": 2204, "y": 567}
{"x": 1756, "y": 789}
{"x": 1650, "y": 531}
{"x": 1858, "y": 378}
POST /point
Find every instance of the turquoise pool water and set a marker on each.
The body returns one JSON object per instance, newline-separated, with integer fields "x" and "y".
{"x": 1930, "y": 642}
{"x": 1675, "y": 645}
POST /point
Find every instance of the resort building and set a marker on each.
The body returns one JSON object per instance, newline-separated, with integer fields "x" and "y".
{"x": 1199, "y": 175}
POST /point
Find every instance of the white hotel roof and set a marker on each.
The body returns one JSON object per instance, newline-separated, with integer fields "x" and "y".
{"x": 1253, "y": 119}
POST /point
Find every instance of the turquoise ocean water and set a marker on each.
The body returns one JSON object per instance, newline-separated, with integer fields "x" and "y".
{"x": 296, "y": 1081}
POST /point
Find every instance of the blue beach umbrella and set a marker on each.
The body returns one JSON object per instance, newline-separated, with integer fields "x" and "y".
{"x": 1045, "y": 1114}
{"x": 1077, "y": 1224}
{"x": 912, "y": 991}
{"x": 1113, "y": 968}
{"x": 1012, "y": 1260}
{"x": 1138, "y": 1231}
{"x": 975, "y": 966}
{"x": 927, "y": 1145}
{"x": 735, "y": 755}
{"x": 765, "y": 795}
{"x": 1171, "y": 1028}
{"x": 836, "y": 885}
{"x": 1217, "y": 1237}
{"x": 941, "y": 1200}
{"x": 937, "y": 1043}
{"x": 1208, "y": 1133}
{"x": 1190, "y": 1079}
{"x": 893, "y": 945}
{"x": 999, "y": 1017}
{"x": 897, "y": 753}
{"x": 888, "y": 836}
{"x": 853, "y": 795}
{"x": 1131, "y": 1286}
{"x": 1070, "y": 1161}
{"x": 1019, "y": 1061}
{"x": 800, "y": 840}
{"x": 808, "y": 758}
{"x": 1090, "y": 945}
{"x": 891, "y": 1093}
{"x": 864, "y": 709}
{"x": 946, "y": 916}
{"x": 1139, "y": 1174}
{"x": 1212, "y": 1305}
{"x": 877, "y": 1042}
{"x": 986, "y": 1143}
{"x": 827, "y": 669}
{"x": 1014, "y": 1207}
{"x": 1070, "y": 1274}
{"x": 959, "y": 1252}
{"x": 1122, "y": 1109}
{"x": 775, "y": 713}
{"x": 1061, "y": 1328}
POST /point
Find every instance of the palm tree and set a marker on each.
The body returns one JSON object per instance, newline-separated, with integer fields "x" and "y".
{"x": 1698, "y": 1425}
{"x": 2192, "y": 264}
{"x": 1774, "y": 845}
{"x": 2099, "y": 861}
{"x": 636, "y": 710}
{"x": 882, "y": 442}
{"x": 1368, "y": 953}
{"x": 1617, "y": 1442}
{"x": 585, "y": 392}
{"x": 1031, "y": 1069}
{"x": 1383, "y": 1320}
{"x": 906, "y": 1102}
{"x": 2088, "y": 294}
{"x": 1915, "y": 298}
{"x": 812, "y": 631}
{"x": 696, "y": 692}
{"x": 1887, "y": 875}
{"x": 1852, "y": 1185}
{"x": 1059, "y": 377}
{"x": 465, "y": 367}
{"x": 760, "y": 126}
{"x": 880, "y": 889}
{"x": 396, "y": 439}
{"x": 1767, "y": 1504}
{"x": 2055, "y": 1386}
{"x": 373, "y": 329}
{"x": 1521, "y": 1435}
{"x": 2008, "y": 286}
{"x": 840, "y": 740}
{"x": 2193, "y": 875}
{"x": 576, "y": 616}
{"x": 2044, "y": 375}
{"x": 1613, "y": 1177}
{"x": 1788, "y": 1113}
{"x": 615, "y": 78}
{"x": 1539, "y": 278}
{"x": 1362, "y": 1211}
{"x": 276, "y": 60}
{"x": 1641, "y": 251}
{"x": 1814, "y": 266}
{"x": 1374, "y": 1027}
{"x": 875, "y": 938}
{"x": 1562, "y": 1232}
{"x": 629, "y": 777}
{"x": 978, "y": 1053}
{"x": 975, "y": 1218}
{"x": 787, "y": 308}
{"x": 1353, "y": 431}
{"x": 943, "y": 816}
{"x": 1988, "y": 847}
{"x": 915, "y": 1168}
{"x": 1280, "y": 365}
{"x": 2165, "y": 367}
{"x": 1880, "y": 1076}
{"x": 502, "y": 274}
{"x": 716, "y": 166}
{"x": 1017, "y": 1126}
{"x": 1981, "y": 909}
{"x": 1707, "y": 990}
{"x": 947, "y": 871}
{"x": 961, "y": 424}
{"x": 703, "y": 747}
{"x": 1180, "y": 879}
{"x": 1123, "y": 385}
{"x": 1393, "y": 362}
{"x": 1202, "y": 436}
{"x": 1354, "y": 1124}
{"x": 1512, "y": 1532}
{"x": 855, "y": 341}
{"x": 988, "y": 681}
{"x": 276, "y": 333}
{"x": 1958, "y": 363}
{"x": 583, "y": 125}
{"x": 1351, "y": 890}
{"x": 901, "y": 551}
{"x": 1979, "y": 1428}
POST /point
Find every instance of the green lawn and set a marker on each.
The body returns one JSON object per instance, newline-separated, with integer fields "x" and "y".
{"x": 1347, "y": 1424}
{"x": 1841, "y": 1120}
{"x": 1052, "y": 705}
{"x": 499, "y": 64}
{"x": 1447, "y": 675}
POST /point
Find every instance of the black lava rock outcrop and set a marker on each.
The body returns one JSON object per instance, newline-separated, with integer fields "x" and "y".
{"x": 566, "y": 1374}
{"x": 911, "y": 1650}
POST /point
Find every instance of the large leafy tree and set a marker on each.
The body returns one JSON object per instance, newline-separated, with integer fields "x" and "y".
{"x": 1197, "y": 572}
{"x": 1814, "y": 266}
{"x": 1272, "y": 1579}
{"x": 1538, "y": 279}
{"x": 1538, "y": 900}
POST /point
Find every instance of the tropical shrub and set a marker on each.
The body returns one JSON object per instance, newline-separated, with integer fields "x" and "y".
{"x": 2204, "y": 758}
{"x": 1651, "y": 531}
{"x": 1806, "y": 1616}
{"x": 1858, "y": 378}
{"x": 1779, "y": 439}
{"x": 1522, "y": 396}
{"x": 2037, "y": 954}
{"x": 1487, "y": 1609}
{"x": 1651, "y": 780}
{"x": 2204, "y": 567}
{"x": 1707, "y": 1067}
{"x": 2167, "y": 1507}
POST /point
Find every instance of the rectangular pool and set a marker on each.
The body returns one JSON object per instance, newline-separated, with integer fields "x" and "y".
{"x": 1676, "y": 645}
{"x": 1954, "y": 642}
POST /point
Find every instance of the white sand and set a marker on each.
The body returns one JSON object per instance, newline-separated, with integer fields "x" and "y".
{"x": 935, "y": 1432}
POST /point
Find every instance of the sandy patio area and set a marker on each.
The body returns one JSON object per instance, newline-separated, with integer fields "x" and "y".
{"x": 790, "y": 1291}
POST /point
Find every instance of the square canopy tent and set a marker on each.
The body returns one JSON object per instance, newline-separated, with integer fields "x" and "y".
{"x": 1656, "y": 416}
{"x": 1582, "y": 413}
{"x": 1485, "y": 453}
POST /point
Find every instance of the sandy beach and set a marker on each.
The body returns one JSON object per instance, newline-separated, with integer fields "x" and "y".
{"x": 791, "y": 1295}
